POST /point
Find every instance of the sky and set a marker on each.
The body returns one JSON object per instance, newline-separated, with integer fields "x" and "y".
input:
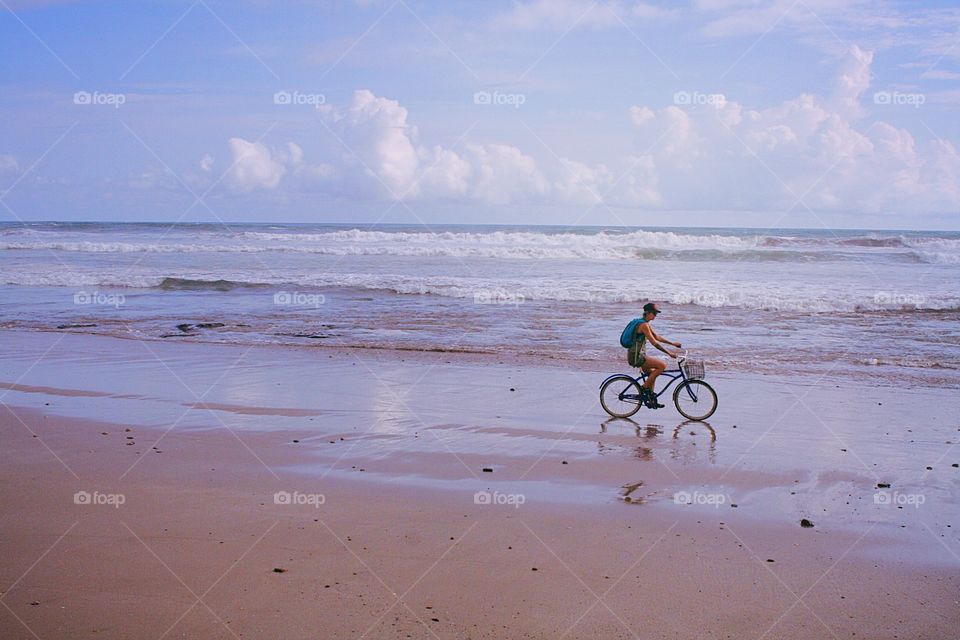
{"x": 776, "y": 114}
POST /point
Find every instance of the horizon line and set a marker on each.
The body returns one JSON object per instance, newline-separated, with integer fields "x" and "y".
{"x": 224, "y": 223}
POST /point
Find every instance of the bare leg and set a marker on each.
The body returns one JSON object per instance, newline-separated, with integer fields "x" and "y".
{"x": 653, "y": 367}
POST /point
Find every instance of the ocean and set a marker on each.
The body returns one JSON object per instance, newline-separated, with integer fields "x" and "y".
{"x": 881, "y": 306}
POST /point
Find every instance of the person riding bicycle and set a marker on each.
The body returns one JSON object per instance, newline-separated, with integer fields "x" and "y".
{"x": 637, "y": 356}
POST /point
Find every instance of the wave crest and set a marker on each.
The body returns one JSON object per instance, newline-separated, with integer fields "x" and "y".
{"x": 533, "y": 245}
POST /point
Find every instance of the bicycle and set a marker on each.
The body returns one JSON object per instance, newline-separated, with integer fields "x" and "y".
{"x": 620, "y": 394}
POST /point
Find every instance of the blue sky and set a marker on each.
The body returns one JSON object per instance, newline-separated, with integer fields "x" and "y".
{"x": 801, "y": 113}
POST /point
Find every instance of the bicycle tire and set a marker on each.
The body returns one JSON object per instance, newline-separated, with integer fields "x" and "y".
{"x": 614, "y": 403}
{"x": 704, "y": 399}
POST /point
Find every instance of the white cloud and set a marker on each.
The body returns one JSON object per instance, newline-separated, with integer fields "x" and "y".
{"x": 639, "y": 115}
{"x": 254, "y": 166}
{"x": 716, "y": 156}
{"x": 383, "y": 146}
{"x": 445, "y": 172}
{"x": 502, "y": 173}
{"x": 853, "y": 80}
{"x": 806, "y": 147}
{"x": 206, "y": 163}
{"x": 377, "y": 131}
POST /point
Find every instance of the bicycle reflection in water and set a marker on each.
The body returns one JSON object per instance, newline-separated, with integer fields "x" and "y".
{"x": 686, "y": 446}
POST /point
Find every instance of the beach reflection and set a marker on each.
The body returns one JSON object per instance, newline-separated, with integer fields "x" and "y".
{"x": 683, "y": 444}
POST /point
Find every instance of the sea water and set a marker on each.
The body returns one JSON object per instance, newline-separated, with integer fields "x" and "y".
{"x": 881, "y": 306}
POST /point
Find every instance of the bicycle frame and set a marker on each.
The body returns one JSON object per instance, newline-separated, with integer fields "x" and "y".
{"x": 673, "y": 374}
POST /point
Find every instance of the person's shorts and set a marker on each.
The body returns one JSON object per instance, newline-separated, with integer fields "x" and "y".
{"x": 636, "y": 357}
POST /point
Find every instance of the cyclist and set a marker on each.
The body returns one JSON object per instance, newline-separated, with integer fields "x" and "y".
{"x": 637, "y": 356}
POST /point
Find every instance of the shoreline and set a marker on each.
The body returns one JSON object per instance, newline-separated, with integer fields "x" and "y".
{"x": 931, "y": 377}
{"x": 399, "y": 517}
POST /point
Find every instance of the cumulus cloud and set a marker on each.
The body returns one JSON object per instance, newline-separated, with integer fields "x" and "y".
{"x": 717, "y": 154}
{"x": 376, "y": 130}
{"x": 639, "y": 115}
{"x": 852, "y": 82}
{"x": 727, "y": 156}
{"x": 502, "y": 173}
{"x": 256, "y": 166}
{"x": 385, "y": 147}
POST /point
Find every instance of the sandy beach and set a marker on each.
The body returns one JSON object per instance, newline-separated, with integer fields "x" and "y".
{"x": 158, "y": 490}
{"x": 323, "y": 320}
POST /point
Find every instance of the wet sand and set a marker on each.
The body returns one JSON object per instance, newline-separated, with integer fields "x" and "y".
{"x": 270, "y": 492}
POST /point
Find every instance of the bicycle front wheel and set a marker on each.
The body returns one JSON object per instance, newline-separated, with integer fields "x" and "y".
{"x": 620, "y": 396}
{"x": 695, "y": 400}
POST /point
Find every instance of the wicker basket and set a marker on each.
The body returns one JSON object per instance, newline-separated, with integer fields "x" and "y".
{"x": 693, "y": 369}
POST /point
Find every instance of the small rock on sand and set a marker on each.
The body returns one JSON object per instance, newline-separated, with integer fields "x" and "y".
{"x": 805, "y": 523}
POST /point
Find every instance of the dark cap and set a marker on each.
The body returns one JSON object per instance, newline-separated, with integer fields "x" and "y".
{"x": 651, "y": 307}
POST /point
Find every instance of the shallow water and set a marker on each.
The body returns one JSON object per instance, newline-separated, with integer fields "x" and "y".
{"x": 778, "y": 448}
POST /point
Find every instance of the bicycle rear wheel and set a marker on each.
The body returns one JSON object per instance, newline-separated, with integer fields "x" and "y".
{"x": 695, "y": 400}
{"x": 620, "y": 396}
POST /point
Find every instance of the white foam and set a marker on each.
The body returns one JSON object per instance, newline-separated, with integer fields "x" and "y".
{"x": 521, "y": 245}
{"x": 798, "y": 297}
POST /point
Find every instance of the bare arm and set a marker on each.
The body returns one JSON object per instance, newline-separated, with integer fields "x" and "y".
{"x": 652, "y": 338}
{"x": 662, "y": 339}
